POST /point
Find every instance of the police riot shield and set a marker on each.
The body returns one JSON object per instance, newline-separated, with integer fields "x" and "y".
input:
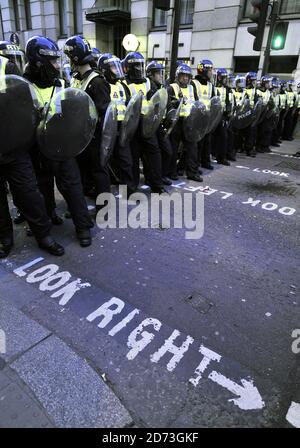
{"x": 243, "y": 116}
{"x": 215, "y": 114}
{"x": 172, "y": 117}
{"x": 19, "y": 111}
{"x": 68, "y": 124}
{"x": 272, "y": 114}
{"x": 258, "y": 110}
{"x": 109, "y": 133}
{"x": 131, "y": 120}
{"x": 196, "y": 123}
{"x": 156, "y": 111}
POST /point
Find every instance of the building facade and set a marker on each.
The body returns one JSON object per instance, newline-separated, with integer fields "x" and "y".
{"x": 212, "y": 29}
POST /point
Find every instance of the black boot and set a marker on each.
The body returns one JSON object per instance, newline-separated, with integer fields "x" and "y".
{"x": 195, "y": 177}
{"x": 51, "y": 246}
{"x": 84, "y": 237}
{"x": 56, "y": 220}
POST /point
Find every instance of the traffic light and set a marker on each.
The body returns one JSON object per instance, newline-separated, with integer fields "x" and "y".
{"x": 279, "y": 35}
{"x": 259, "y": 16}
{"x": 162, "y": 4}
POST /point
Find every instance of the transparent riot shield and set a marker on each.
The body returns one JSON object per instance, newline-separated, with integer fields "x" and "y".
{"x": 215, "y": 113}
{"x": 109, "y": 133}
{"x": 131, "y": 120}
{"x": 19, "y": 111}
{"x": 155, "y": 114}
{"x": 68, "y": 124}
{"x": 172, "y": 117}
{"x": 196, "y": 123}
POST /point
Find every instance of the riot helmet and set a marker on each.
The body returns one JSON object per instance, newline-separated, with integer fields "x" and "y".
{"x": 183, "y": 75}
{"x": 111, "y": 68}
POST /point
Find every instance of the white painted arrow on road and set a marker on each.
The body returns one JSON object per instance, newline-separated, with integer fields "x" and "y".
{"x": 249, "y": 397}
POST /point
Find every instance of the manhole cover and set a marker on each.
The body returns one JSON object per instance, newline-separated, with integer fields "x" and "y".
{"x": 199, "y": 302}
{"x": 291, "y": 163}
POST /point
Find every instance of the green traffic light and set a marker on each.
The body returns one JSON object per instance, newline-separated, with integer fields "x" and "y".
{"x": 278, "y": 41}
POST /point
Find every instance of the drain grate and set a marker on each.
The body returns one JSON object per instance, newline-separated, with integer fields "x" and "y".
{"x": 199, "y": 302}
{"x": 291, "y": 163}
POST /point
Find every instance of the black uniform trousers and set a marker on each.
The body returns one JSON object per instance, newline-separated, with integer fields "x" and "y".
{"x": 26, "y": 196}
{"x": 231, "y": 151}
{"x": 295, "y": 119}
{"x": 166, "y": 149}
{"x": 188, "y": 158}
{"x": 121, "y": 161}
{"x": 67, "y": 176}
{"x": 288, "y": 124}
{"x": 204, "y": 151}
{"x": 93, "y": 172}
{"x": 282, "y": 115}
{"x": 220, "y": 141}
{"x": 148, "y": 150}
{"x": 264, "y": 134}
{"x": 244, "y": 139}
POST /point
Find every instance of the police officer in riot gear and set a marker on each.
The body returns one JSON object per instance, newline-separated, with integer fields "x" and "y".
{"x": 111, "y": 68}
{"x": 14, "y": 55}
{"x": 287, "y": 133}
{"x": 243, "y": 138}
{"x": 145, "y": 148}
{"x": 297, "y": 108}
{"x": 276, "y": 97}
{"x": 283, "y": 108}
{"x": 155, "y": 72}
{"x": 182, "y": 88}
{"x": 205, "y": 91}
{"x": 264, "y": 129}
{"x": 220, "y": 136}
{"x": 43, "y": 71}
{"x": 16, "y": 169}
{"x": 94, "y": 172}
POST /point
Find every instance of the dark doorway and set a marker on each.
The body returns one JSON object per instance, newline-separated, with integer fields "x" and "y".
{"x": 119, "y": 31}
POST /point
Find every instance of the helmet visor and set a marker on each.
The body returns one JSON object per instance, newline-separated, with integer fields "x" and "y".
{"x": 115, "y": 68}
{"x": 240, "y": 83}
{"x": 50, "y": 53}
{"x": 137, "y": 68}
{"x": 158, "y": 75}
{"x": 16, "y": 56}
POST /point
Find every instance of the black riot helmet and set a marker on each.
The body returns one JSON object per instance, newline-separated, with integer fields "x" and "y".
{"x": 43, "y": 56}
{"x": 13, "y": 53}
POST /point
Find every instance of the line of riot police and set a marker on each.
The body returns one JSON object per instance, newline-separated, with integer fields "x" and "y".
{"x": 94, "y": 123}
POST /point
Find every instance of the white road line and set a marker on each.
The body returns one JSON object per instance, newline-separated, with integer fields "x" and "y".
{"x": 293, "y": 414}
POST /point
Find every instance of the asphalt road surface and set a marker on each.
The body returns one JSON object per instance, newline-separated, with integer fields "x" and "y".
{"x": 184, "y": 332}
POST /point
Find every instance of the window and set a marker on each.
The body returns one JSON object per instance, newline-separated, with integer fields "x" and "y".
{"x": 16, "y": 15}
{"x": 77, "y": 10}
{"x": 283, "y": 64}
{"x": 244, "y": 64}
{"x": 62, "y": 5}
{"x": 290, "y": 6}
{"x": 27, "y": 14}
{"x": 159, "y": 17}
{"x": 247, "y": 9}
{"x": 186, "y": 12}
